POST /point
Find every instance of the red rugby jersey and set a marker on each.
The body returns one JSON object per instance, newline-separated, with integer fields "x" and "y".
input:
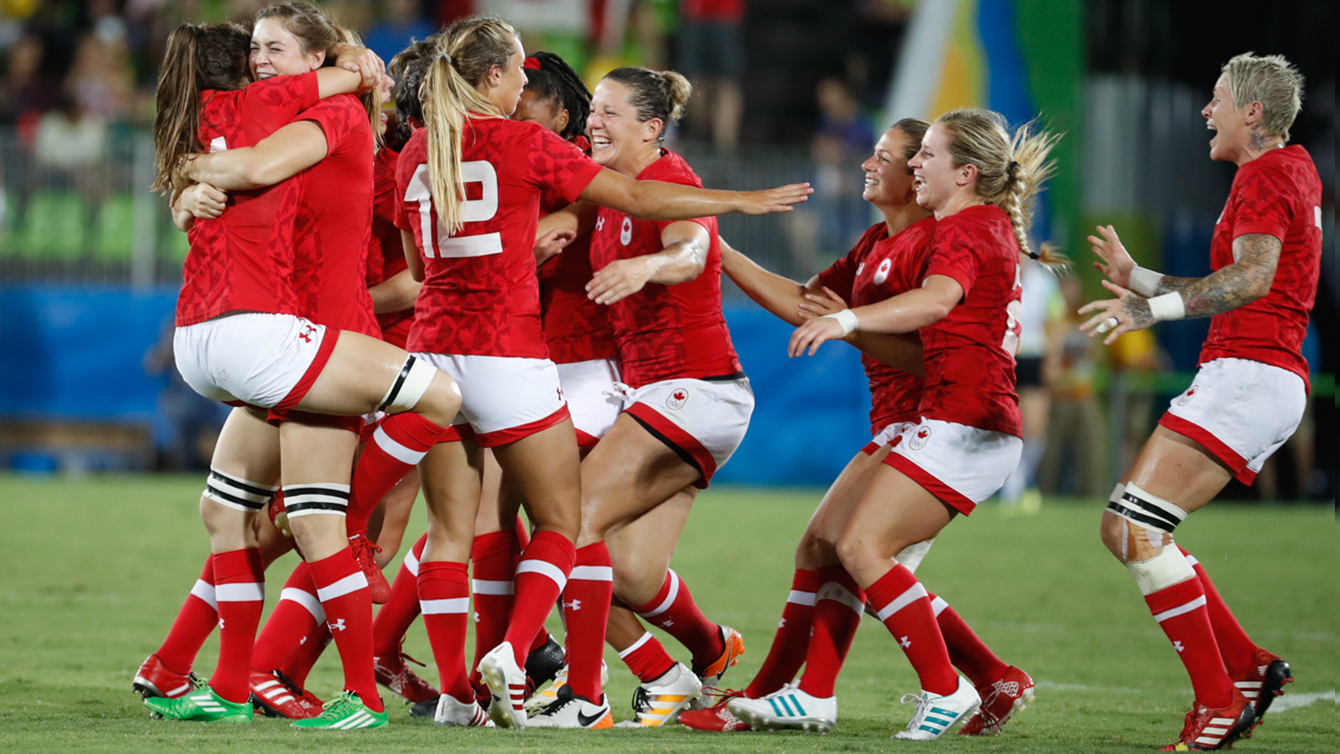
{"x": 334, "y": 225}
{"x": 879, "y": 267}
{"x": 242, "y": 260}
{"x": 386, "y": 255}
{"x": 575, "y": 327}
{"x": 1279, "y": 194}
{"x": 665, "y": 331}
{"x": 481, "y": 295}
{"x": 969, "y": 354}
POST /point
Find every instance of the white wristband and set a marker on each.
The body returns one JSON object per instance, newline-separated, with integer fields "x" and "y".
{"x": 846, "y": 319}
{"x": 1167, "y": 307}
{"x": 1145, "y": 282}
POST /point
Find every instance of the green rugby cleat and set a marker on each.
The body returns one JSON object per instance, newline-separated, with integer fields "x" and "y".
{"x": 344, "y": 712}
{"x": 202, "y": 705}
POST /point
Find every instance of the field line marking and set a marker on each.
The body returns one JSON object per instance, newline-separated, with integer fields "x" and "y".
{"x": 1297, "y": 701}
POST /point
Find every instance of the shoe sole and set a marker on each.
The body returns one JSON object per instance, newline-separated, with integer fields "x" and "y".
{"x": 763, "y": 722}
{"x": 1278, "y": 674}
{"x": 502, "y": 714}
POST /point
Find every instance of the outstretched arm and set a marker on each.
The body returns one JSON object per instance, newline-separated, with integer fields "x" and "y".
{"x": 654, "y": 200}
{"x": 779, "y": 295}
{"x": 283, "y": 154}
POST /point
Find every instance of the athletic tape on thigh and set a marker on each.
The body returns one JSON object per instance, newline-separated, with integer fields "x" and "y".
{"x": 312, "y": 499}
{"x": 236, "y": 493}
{"x": 409, "y": 386}
{"x": 1140, "y": 507}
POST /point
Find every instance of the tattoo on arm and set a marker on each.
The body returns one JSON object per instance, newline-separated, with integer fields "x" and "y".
{"x": 1238, "y": 284}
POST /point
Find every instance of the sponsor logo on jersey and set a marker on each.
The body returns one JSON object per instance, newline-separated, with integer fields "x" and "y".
{"x": 626, "y": 231}
{"x": 677, "y": 399}
{"x": 919, "y": 438}
{"x": 600, "y": 223}
{"x": 882, "y": 273}
{"x": 860, "y": 268}
{"x": 307, "y": 332}
{"x": 1187, "y": 396}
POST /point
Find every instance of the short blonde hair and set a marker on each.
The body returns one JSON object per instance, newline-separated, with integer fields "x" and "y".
{"x": 1270, "y": 80}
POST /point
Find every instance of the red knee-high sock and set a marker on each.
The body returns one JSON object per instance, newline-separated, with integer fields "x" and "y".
{"x": 494, "y": 557}
{"x": 1235, "y": 647}
{"x": 838, "y": 608}
{"x": 902, "y": 604}
{"x": 791, "y": 642}
{"x": 444, "y": 598}
{"x": 291, "y": 624}
{"x": 343, "y": 590}
{"x": 239, "y": 586}
{"x": 309, "y": 650}
{"x": 647, "y": 658}
{"x": 966, "y": 650}
{"x": 396, "y": 446}
{"x": 674, "y": 610}
{"x": 395, "y": 617}
{"x": 540, "y": 577}
{"x": 586, "y": 607}
{"x": 1180, "y": 612}
{"x": 194, "y": 622}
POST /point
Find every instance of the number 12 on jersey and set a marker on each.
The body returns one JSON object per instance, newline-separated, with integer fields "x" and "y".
{"x": 444, "y": 245}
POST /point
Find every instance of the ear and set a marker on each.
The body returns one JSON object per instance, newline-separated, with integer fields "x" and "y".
{"x": 652, "y": 129}
{"x": 1254, "y": 112}
{"x": 966, "y": 174}
{"x": 495, "y": 76}
{"x": 561, "y": 122}
{"x": 317, "y": 59}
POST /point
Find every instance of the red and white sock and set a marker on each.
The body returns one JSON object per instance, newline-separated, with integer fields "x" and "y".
{"x": 647, "y": 658}
{"x": 1235, "y": 647}
{"x": 343, "y": 591}
{"x": 791, "y": 642}
{"x": 902, "y": 604}
{"x": 540, "y": 578}
{"x": 967, "y": 651}
{"x": 195, "y": 620}
{"x": 838, "y": 607}
{"x": 1180, "y": 612}
{"x": 674, "y": 610}
{"x": 493, "y": 557}
{"x": 395, "y": 617}
{"x": 444, "y": 599}
{"x": 586, "y": 610}
{"x": 396, "y": 446}
{"x": 239, "y": 587}
{"x": 294, "y": 619}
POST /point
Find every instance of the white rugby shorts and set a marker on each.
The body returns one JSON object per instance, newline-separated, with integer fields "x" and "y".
{"x": 265, "y": 360}
{"x": 593, "y": 398}
{"x": 884, "y": 437}
{"x": 960, "y": 465}
{"x": 704, "y": 421}
{"x": 503, "y": 399}
{"x": 1241, "y": 411}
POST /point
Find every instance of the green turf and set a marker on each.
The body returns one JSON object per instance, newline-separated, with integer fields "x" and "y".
{"x": 92, "y": 572}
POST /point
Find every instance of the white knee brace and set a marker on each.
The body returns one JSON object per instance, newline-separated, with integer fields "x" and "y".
{"x": 409, "y": 386}
{"x": 1163, "y": 564}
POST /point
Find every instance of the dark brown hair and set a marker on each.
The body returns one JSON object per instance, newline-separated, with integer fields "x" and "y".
{"x": 654, "y": 94}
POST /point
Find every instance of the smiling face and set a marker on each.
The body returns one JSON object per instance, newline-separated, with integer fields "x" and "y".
{"x": 1222, "y": 115}
{"x": 888, "y": 179}
{"x": 619, "y": 141}
{"x": 275, "y": 51}
{"x": 937, "y": 179}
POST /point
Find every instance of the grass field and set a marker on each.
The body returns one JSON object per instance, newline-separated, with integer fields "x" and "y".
{"x": 93, "y": 570}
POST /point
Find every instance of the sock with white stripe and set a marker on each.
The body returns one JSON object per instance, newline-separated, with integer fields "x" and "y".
{"x": 343, "y": 590}
{"x": 493, "y": 558}
{"x": 903, "y": 605}
{"x": 394, "y": 618}
{"x": 838, "y": 607}
{"x": 195, "y": 620}
{"x": 967, "y": 651}
{"x": 647, "y": 659}
{"x": 1235, "y": 646}
{"x": 396, "y": 446}
{"x": 239, "y": 587}
{"x": 791, "y": 641}
{"x": 674, "y": 610}
{"x": 540, "y": 578}
{"x": 1180, "y": 612}
{"x": 296, "y": 626}
{"x": 586, "y": 609}
{"x": 444, "y": 598}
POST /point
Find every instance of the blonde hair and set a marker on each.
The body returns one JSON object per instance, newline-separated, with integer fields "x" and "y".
{"x": 461, "y": 59}
{"x": 1270, "y": 80}
{"x": 1010, "y": 168}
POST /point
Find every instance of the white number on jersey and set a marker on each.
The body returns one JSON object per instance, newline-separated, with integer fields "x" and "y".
{"x": 473, "y": 210}
{"x": 1012, "y": 313}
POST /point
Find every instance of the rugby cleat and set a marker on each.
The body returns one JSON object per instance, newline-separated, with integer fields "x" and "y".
{"x": 507, "y": 685}
{"x": 424, "y": 709}
{"x": 202, "y": 705}
{"x": 154, "y": 679}
{"x": 276, "y": 695}
{"x": 1265, "y": 682}
{"x": 936, "y": 714}
{"x": 718, "y": 717}
{"x": 454, "y": 714}
{"x": 1213, "y": 729}
{"x": 787, "y": 708}
{"x": 365, "y": 553}
{"x": 572, "y": 711}
{"x": 394, "y": 674}
{"x": 1000, "y": 700}
{"x": 550, "y": 693}
{"x": 544, "y": 664}
{"x": 710, "y": 675}
{"x": 660, "y": 701}
{"x": 344, "y": 712}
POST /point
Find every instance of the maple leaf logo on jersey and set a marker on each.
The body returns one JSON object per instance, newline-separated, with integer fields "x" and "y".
{"x": 677, "y": 399}
{"x": 626, "y": 231}
{"x": 919, "y": 438}
{"x": 882, "y": 273}
{"x": 1187, "y": 396}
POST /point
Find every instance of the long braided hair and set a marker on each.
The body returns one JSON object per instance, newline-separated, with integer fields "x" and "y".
{"x": 553, "y": 80}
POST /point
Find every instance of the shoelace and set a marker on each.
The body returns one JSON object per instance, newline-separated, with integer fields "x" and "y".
{"x": 923, "y": 706}
{"x": 722, "y": 696}
{"x": 332, "y": 709}
{"x": 641, "y": 700}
